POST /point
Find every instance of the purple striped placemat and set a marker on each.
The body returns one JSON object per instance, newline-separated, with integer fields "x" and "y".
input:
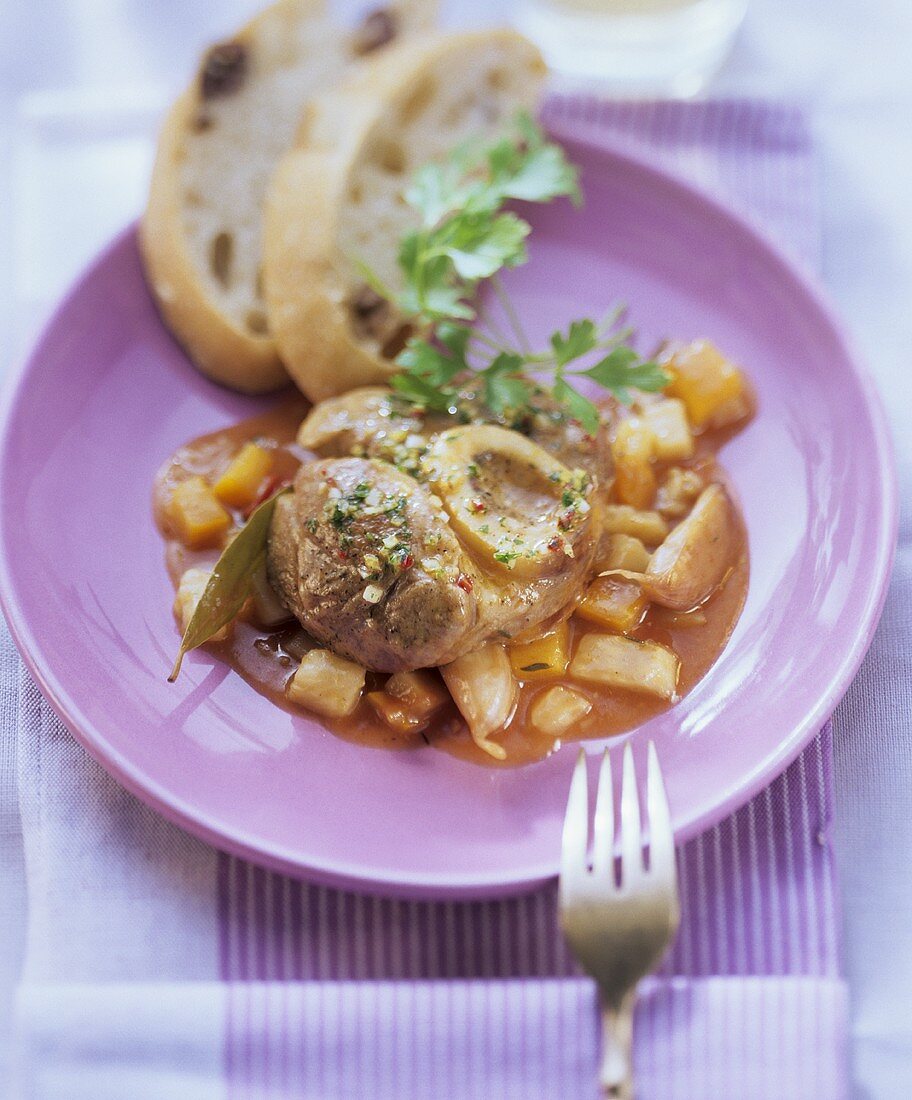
{"x": 703, "y": 1039}
{"x": 757, "y": 897}
{"x": 758, "y": 890}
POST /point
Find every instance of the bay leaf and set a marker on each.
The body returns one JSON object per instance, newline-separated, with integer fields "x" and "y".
{"x": 231, "y": 583}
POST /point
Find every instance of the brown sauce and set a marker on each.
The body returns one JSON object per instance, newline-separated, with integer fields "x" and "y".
{"x": 267, "y": 659}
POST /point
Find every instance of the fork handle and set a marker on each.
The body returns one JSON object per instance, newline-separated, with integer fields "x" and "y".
{"x": 616, "y": 1074}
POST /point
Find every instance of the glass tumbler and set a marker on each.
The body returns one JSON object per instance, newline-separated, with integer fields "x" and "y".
{"x": 634, "y": 47}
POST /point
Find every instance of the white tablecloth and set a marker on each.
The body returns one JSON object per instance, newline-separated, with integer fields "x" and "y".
{"x": 66, "y": 185}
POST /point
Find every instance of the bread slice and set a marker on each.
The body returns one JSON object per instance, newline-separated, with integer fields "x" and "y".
{"x": 202, "y": 231}
{"x": 337, "y": 197}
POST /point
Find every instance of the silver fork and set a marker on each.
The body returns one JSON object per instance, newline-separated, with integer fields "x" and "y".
{"x": 618, "y": 929}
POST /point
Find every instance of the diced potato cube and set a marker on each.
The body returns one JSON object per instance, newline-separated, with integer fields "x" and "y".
{"x": 408, "y": 700}
{"x": 326, "y": 683}
{"x": 484, "y": 690}
{"x": 625, "y": 663}
{"x": 544, "y": 657}
{"x": 667, "y": 420}
{"x": 189, "y": 593}
{"x": 267, "y": 609}
{"x": 679, "y": 489}
{"x": 621, "y": 552}
{"x": 558, "y": 709}
{"x": 614, "y": 603}
{"x": 199, "y": 519}
{"x": 621, "y": 519}
{"x": 712, "y": 388}
{"x": 633, "y": 449}
{"x": 240, "y": 483}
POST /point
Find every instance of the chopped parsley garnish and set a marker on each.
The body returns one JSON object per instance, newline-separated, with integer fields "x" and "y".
{"x": 507, "y": 557}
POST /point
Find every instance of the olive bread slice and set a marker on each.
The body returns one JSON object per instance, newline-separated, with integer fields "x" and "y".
{"x": 336, "y": 199}
{"x": 202, "y": 230}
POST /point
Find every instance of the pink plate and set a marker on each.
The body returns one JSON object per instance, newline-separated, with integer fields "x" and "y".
{"x": 107, "y": 395}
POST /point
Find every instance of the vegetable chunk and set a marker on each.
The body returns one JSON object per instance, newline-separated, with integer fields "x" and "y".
{"x": 624, "y": 663}
{"x": 240, "y": 483}
{"x": 633, "y": 450}
{"x": 617, "y": 604}
{"x": 327, "y": 684}
{"x": 621, "y": 552}
{"x": 409, "y": 700}
{"x": 189, "y": 593}
{"x": 484, "y": 690}
{"x": 679, "y": 489}
{"x": 558, "y": 709}
{"x": 621, "y": 519}
{"x": 545, "y": 657}
{"x": 197, "y": 516}
{"x": 695, "y": 558}
{"x": 711, "y": 386}
{"x": 667, "y": 420}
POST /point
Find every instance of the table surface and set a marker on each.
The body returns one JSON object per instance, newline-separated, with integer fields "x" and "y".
{"x": 116, "y": 62}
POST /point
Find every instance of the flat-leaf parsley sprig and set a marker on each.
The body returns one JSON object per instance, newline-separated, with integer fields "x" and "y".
{"x": 465, "y": 236}
{"x": 436, "y": 371}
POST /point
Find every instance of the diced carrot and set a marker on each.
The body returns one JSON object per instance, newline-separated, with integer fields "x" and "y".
{"x": 712, "y": 388}
{"x": 239, "y": 484}
{"x": 409, "y": 700}
{"x": 614, "y": 603}
{"x": 544, "y": 657}
{"x": 198, "y": 518}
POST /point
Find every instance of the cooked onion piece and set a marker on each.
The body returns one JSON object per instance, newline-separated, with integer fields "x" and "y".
{"x": 513, "y": 505}
{"x": 695, "y": 558}
{"x": 484, "y": 690}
